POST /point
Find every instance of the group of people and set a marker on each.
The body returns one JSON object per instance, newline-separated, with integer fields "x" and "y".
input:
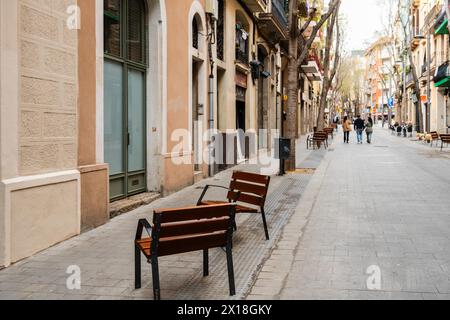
{"x": 359, "y": 126}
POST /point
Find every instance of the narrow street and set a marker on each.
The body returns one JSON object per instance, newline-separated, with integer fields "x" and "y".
{"x": 383, "y": 205}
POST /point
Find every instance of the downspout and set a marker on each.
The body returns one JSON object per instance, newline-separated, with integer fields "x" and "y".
{"x": 211, "y": 41}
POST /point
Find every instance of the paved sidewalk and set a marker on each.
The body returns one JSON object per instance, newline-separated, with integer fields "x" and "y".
{"x": 106, "y": 255}
{"x": 384, "y": 205}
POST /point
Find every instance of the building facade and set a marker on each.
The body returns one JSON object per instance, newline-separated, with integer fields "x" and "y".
{"x": 429, "y": 41}
{"x": 380, "y": 82}
{"x": 102, "y": 100}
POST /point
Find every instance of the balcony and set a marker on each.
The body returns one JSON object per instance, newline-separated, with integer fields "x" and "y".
{"x": 242, "y": 56}
{"x": 256, "y": 6}
{"x": 442, "y": 78}
{"x": 441, "y": 25}
{"x": 431, "y": 17}
{"x": 313, "y": 68}
{"x": 274, "y": 25}
{"x": 415, "y": 41}
{"x": 409, "y": 80}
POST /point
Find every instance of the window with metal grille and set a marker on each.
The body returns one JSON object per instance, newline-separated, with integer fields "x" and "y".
{"x": 195, "y": 33}
{"x": 220, "y": 31}
{"x": 135, "y": 30}
{"x": 112, "y": 27}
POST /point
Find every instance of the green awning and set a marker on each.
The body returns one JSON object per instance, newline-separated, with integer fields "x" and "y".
{"x": 443, "y": 83}
{"x": 442, "y": 29}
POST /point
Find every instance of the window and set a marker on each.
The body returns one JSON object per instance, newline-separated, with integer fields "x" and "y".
{"x": 112, "y": 27}
{"x": 221, "y": 31}
{"x": 241, "y": 44}
{"x": 125, "y": 38}
{"x": 195, "y": 33}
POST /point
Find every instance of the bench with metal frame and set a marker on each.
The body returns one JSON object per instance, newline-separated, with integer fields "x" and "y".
{"x": 184, "y": 230}
{"x": 330, "y": 132}
{"x": 246, "y": 189}
{"x": 434, "y": 137}
{"x": 317, "y": 139}
{"x": 445, "y": 139}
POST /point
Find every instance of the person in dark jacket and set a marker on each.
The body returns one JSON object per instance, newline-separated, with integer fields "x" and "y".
{"x": 359, "y": 128}
{"x": 369, "y": 129}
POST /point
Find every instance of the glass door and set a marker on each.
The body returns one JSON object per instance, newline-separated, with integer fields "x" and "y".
{"x": 136, "y": 131}
{"x": 125, "y": 96}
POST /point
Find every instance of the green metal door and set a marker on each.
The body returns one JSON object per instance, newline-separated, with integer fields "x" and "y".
{"x": 125, "y": 96}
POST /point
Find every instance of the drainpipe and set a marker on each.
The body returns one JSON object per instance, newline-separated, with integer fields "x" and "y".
{"x": 211, "y": 41}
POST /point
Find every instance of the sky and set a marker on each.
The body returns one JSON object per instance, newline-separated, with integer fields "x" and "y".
{"x": 363, "y": 19}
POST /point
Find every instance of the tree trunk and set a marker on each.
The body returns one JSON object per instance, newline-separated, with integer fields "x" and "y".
{"x": 292, "y": 85}
{"x": 328, "y": 74}
{"x": 417, "y": 90}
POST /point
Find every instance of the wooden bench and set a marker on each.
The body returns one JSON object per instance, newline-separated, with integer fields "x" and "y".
{"x": 248, "y": 190}
{"x": 445, "y": 139}
{"x": 434, "y": 137}
{"x": 317, "y": 139}
{"x": 329, "y": 132}
{"x": 184, "y": 230}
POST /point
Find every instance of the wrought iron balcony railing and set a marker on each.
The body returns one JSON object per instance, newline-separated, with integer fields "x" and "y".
{"x": 279, "y": 11}
{"x": 442, "y": 72}
{"x": 242, "y": 56}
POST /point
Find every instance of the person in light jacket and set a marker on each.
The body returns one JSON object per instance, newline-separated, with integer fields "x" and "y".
{"x": 347, "y": 127}
{"x": 369, "y": 129}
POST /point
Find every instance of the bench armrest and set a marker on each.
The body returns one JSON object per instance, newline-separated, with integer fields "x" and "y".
{"x": 205, "y": 190}
{"x": 143, "y": 224}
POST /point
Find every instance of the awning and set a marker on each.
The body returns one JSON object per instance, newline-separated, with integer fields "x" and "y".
{"x": 443, "y": 83}
{"x": 442, "y": 29}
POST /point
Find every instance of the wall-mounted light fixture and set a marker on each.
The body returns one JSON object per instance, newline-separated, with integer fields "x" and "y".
{"x": 258, "y": 70}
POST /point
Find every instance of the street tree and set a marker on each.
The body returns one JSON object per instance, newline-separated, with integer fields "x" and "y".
{"x": 299, "y": 47}
{"x": 331, "y": 64}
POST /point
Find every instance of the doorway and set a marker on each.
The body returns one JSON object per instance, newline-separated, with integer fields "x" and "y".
{"x": 196, "y": 113}
{"x": 240, "y": 115}
{"x": 125, "y": 71}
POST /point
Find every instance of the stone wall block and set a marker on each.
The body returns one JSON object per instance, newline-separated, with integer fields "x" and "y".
{"x": 60, "y": 125}
{"x": 30, "y": 124}
{"x": 38, "y": 24}
{"x": 40, "y": 91}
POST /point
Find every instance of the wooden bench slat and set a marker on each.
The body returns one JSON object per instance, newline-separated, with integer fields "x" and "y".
{"x": 195, "y": 227}
{"x": 239, "y": 208}
{"x": 247, "y": 198}
{"x": 251, "y": 177}
{"x": 196, "y": 243}
{"x": 249, "y": 188}
{"x": 192, "y": 213}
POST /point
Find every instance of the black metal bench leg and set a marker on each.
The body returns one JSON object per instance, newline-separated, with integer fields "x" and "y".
{"x": 266, "y": 229}
{"x": 137, "y": 267}
{"x": 230, "y": 270}
{"x": 155, "y": 274}
{"x": 205, "y": 263}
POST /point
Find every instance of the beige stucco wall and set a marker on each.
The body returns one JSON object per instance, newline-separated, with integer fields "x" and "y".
{"x": 41, "y": 217}
{"x": 40, "y": 196}
{"x": 48, "y": 87}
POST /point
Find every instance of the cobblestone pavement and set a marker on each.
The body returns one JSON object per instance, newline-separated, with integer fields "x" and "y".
{"x": 384, "y": 205}
{"x": 106, "y": 255}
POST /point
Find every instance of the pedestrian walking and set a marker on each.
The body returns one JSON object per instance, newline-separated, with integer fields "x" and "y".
{"x": 359, "y": 128}
{"x": 369, "y": 129}
{"x": 347, "y": 128}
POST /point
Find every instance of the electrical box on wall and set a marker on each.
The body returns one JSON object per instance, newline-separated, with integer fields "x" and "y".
{"x": 212, "y": 8}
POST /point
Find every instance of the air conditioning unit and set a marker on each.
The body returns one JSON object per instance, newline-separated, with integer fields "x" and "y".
{"x": 212, "y": 8}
